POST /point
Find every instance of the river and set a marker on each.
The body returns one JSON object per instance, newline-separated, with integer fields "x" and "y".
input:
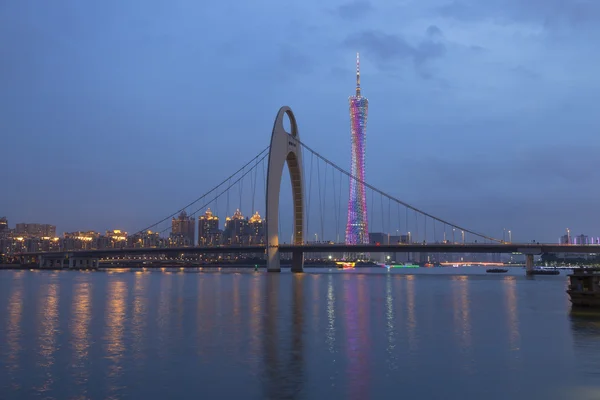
{"x": 362, "y": 334}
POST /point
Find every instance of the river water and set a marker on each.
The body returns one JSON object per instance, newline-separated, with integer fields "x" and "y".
{"x": 452, "y": 333}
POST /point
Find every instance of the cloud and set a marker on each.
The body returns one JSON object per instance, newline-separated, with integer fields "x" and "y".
{"x": 355, "y": 9}
{"x": 387, "y": 48}
{"x": 550, "y": 13}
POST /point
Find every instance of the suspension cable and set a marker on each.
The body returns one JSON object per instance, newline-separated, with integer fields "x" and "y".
{"x": 396, "y": 199}
{"x": 224, "y": 190}
{"x": 205, "y": 194}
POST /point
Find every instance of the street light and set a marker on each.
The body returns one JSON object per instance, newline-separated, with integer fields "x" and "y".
{"x": 509, "y": 237}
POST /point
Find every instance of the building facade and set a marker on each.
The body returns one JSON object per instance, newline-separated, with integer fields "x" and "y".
{"x": 209, "y": 233}
{"x": 183, "y": 229}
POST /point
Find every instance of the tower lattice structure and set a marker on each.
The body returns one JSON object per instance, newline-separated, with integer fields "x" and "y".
{"x": 357, "y": 227}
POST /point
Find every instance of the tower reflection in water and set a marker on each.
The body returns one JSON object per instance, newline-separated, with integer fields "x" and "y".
{"x": 358, "y": 335}
{"x": 283, "y": 362}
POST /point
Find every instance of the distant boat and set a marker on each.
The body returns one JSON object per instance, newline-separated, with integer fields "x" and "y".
{"x": 496, "y": 270}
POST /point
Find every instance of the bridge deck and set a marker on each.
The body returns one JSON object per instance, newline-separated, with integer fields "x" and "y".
{"x": 340, "y": 248}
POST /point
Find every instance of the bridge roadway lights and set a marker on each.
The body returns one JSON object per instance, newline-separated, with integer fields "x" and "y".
{"x": 529, "y": 253}
{"x": 285, "y": 148}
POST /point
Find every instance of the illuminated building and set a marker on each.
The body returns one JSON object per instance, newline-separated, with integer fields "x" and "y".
{"x": 357, "y": 228}
{"x": 36, "y": 230}
{"x": 3, "y": 225}
{"x": 183, "y": 230}
{"x": 146, "y": 239}
{"x": 116, "y": 238}
{"x": 80, "y": 240}
{"x": 256, "y": 230}
{"x": 235, "y": 228}
{"x": 208, "y": 229}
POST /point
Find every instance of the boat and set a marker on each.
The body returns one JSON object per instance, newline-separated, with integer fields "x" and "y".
{"x": 584, "y": 287}
{"x": 496, "y": 270}
{"x": 541, "y": 271}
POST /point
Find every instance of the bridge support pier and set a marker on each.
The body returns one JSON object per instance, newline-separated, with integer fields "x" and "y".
{"x": 273, "y": 260}
{"x": 297, "y": 261}
{"x": 529, "y": 266}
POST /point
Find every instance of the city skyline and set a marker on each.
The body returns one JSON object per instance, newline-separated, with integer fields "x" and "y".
{"x": 484, "y": 114}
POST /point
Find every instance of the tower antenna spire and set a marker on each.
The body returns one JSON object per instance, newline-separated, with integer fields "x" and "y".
{"x": 357, "y": 75}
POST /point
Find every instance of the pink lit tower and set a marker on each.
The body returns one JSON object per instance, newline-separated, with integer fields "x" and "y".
{"x": 357, "y": 228}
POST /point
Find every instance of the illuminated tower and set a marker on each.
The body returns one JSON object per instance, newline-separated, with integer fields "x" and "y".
{"x": 357, "y": 228}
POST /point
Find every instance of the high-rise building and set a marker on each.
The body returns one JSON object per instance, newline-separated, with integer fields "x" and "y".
{"x": 36, "y": 230}
{"x": 184, "y": 227}
{"x": 357, "y": 228}
{"x": 3, "y": 225}
{"x": 256, "y": 229}
{"x": 208, "y": 229}
{"x": 235, "y": 228}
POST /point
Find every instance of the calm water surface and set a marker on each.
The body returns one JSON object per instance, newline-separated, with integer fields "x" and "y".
{"x": 459, "y": 334}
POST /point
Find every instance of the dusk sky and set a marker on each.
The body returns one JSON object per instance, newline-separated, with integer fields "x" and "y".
{"x": 115, "y": 113}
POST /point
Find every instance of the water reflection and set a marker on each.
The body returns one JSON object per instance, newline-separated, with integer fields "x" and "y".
{"x": 115, "y": 329}
{"x": 585, "y": 325}
{"x": 356, "y": 316}
{"x": 164, "y": 313}
{"x": 411, "y": 320}
{"x": 462, "y": 323}
{"x": 283, "y": 376}
{"x": 140, "y": 316}
{"x": 390, "y": 324}
{"x": 510, "y": 290}
{"x": 13, "y": 328}
{"x": 81, "y": 315}
{"x": 255, "y": 311}
{"x": 48, "y": 313}
{"x": 330, "y": 336}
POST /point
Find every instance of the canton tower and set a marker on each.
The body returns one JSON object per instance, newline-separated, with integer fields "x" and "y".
{"x": 357, "y": 228}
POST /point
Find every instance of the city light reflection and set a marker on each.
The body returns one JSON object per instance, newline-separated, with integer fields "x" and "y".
{"x": 115, "y": 328}
{"x": 462, "y": 323}
{"x": 48, "y": 314}
{"x": 140, "y": 316}
{"x": 411, "y": 320}
{"x": 13, "y": 329}
{"x": 81, "y": 315}
{"x": 510, "y": 289}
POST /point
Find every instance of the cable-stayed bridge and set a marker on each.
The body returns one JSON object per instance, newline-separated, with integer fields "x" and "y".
{"x": 319, "y": 194}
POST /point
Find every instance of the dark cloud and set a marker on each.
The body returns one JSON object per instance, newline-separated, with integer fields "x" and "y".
{"x": 386, "y": 49}
{"x": 355, "y": 9}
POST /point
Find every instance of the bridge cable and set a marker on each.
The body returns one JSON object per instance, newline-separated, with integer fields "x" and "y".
{"x": 320, "y": 203}
{"x": 240, "y": 191}
{"x": 253, "y": 178}
{"x": 309, "y": 196}
{"x": 323, "y": 217}
{"x": 339, "y": 209}
{"x": 382, "y": 217}
{"x": 205, "y": 194}
{"x": 336, "y": 214}
{"x": 214, "y": 199}
{"x": 396, "y": 199}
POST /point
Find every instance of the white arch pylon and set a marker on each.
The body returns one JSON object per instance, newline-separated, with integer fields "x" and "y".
{"x": 285, "y": 148}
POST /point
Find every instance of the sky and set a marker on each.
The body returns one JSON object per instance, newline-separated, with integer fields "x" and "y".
{"x": 114, "y": 114}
